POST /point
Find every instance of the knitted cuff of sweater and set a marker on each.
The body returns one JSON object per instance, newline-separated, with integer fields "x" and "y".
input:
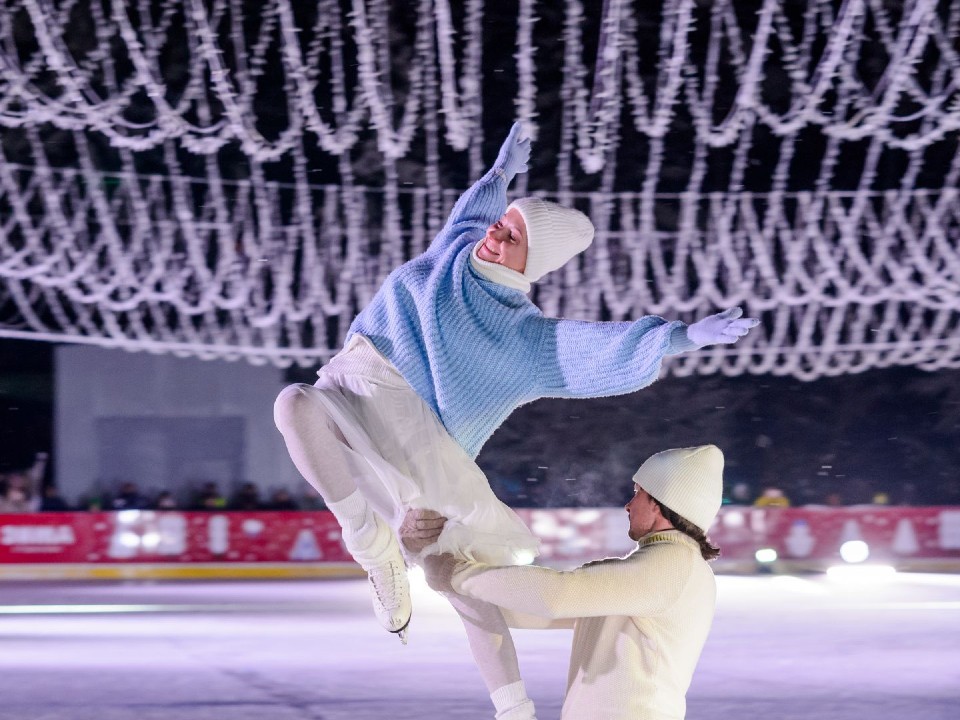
{"x": 679, "y": 341}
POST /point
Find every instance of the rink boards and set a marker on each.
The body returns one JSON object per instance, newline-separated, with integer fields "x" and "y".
{"x": 174, "y": 544}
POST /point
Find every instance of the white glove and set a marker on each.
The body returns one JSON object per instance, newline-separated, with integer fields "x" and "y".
{"x": 514, "y": 153}
{"x": 420, "y": 528}
{"x": 726, "y": 327}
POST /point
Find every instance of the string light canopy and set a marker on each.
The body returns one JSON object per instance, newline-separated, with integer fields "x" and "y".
{"x": 230, "y": 179}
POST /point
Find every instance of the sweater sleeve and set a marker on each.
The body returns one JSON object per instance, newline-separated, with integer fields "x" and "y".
{"x": 480, "y": 206}
{"x": 581, "y": 359}
{"x": 644, "y": 584}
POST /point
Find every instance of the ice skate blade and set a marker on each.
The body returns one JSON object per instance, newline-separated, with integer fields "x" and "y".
{"x": 402, "y": 633}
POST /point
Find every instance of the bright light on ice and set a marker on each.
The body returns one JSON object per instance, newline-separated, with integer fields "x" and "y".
{"x": 128, "y": 517}
{"x": 854, "y": 551}
{"x": 416, "y": 576}
{"x": 856, "y": 574}
{"x": 766, "y": 555}
{"x": 795, "y": 585}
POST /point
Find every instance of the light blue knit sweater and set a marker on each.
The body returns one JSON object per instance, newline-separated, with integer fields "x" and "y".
{"x": 475, "y": 350}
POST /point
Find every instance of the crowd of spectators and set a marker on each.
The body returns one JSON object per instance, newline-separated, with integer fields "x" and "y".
{"x": 205, "y": 497}
{"x": 741, "y": 493}
{"x": 23, "y": 491}
{"x": 591, "y": 490}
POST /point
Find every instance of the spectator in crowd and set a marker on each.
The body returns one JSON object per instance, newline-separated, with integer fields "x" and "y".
{"x": 247, "y": 498}
{"x": 18, "y": 491}
{"x": 129, "y": 498}
{"x": 52, "y": 502}
{"x": 833, "y": 499}
{"x": 281, "y": 500}
{"x": 165, "y": 501}
{"x": 772, "y": 497}
{"x": 740, "y": 494}
{"x": 19, "y": 496}
{"x": 209, "y": 498}
{"x": 91, "y": 502}
{"x": 312, "y": 500}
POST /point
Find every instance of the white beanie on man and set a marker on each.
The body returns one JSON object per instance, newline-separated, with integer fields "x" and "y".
{"x": 689, "y": 481}
{"x": 555, "y": 234}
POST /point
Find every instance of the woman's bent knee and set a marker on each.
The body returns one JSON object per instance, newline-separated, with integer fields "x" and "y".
{"x": 294, "y": 406}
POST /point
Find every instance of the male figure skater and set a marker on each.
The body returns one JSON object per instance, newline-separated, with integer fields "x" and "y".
{"x": 639, "y": 622}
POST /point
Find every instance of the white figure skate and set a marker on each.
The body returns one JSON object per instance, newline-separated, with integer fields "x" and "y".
{"x": 387, "y": 573}
{"x": 390, "y": 591}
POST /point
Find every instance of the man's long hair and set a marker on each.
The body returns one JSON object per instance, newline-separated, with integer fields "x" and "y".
{"x": 709, "y": 551}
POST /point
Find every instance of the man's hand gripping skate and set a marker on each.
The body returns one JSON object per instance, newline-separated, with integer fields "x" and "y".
{"x": 420, "y": 529}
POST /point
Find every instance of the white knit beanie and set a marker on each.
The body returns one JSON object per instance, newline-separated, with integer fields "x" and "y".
{"x": 689, "y": 481}
{"x": 554, "y": 234}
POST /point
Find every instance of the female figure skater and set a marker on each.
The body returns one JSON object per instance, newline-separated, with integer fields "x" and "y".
{"x": 449, "y": 346}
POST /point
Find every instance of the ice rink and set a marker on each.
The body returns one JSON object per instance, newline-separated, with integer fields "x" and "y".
{"x": 781, "y": 648}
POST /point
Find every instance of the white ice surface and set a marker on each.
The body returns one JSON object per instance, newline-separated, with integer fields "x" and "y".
{"x": 781, "y": 648}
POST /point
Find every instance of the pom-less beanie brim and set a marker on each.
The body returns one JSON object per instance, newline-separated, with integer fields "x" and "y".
{"x": 555, "y": 234}
{"x": 689, "y": 481}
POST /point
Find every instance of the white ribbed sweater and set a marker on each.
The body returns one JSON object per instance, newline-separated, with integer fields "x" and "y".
{"x": 640, "y": 623}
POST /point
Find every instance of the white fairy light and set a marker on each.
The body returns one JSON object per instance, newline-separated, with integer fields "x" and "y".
{"x": 527, "y": 94}
{"x": 455, "y": 97}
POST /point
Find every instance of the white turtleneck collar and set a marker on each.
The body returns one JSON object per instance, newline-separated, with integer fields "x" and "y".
{"x": 498, "y": 273}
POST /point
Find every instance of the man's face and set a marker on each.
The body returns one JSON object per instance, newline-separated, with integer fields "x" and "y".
{"x": 506, "y": 242}
{"x": 644, "y": 514}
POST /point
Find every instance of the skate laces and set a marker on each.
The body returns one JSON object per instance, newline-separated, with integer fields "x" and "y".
{"x": 388, "y": 586}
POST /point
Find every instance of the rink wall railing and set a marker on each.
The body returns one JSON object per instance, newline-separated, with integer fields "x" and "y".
{"x": 175, "y": 544}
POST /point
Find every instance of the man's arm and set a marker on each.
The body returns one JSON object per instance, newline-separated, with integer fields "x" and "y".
{"x": 522, "y": 621}
{"x": 643, "y": 584}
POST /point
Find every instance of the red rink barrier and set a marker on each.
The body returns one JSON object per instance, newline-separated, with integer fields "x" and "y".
{"x": 804, "y": 537}
{"x": 811, "y": 535}
{"x": 170, "y": 537}
{"x": 892, "y": 534}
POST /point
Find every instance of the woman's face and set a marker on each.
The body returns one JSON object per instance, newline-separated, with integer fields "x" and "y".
{"x": 506, "y": 242}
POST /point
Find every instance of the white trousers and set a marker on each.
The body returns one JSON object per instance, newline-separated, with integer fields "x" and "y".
{"x": 402, "y": 457}
{"x": 361, "y": 426}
